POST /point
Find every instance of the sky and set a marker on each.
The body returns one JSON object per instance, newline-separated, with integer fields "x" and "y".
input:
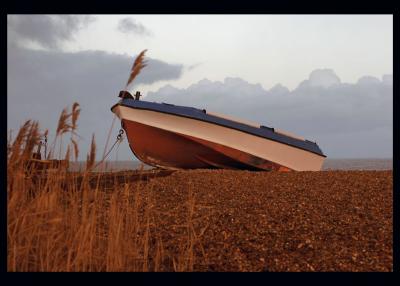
{"x": 324, "y": 77}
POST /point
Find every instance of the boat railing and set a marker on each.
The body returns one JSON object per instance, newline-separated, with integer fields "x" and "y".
{"x": 269, "y": 128}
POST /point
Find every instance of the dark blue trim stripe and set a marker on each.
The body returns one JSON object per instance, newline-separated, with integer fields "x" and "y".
{"x": 200, "y": 114}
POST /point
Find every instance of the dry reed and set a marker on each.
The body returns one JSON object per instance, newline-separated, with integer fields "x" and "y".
{"x": 76, "y": 148}
{"x": 137, "y": 66}
{"x": 75, "y": 115}
{"x": 91, "y": 157}
{"x": 60, "y": 221}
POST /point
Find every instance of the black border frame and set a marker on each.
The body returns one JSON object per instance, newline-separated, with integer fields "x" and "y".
{"x": 216, "y": 7}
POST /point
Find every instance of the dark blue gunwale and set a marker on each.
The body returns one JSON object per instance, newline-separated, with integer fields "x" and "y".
{"x": 201, "y": 114}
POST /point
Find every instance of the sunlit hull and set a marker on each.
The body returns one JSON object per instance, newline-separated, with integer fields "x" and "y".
{"x": 175, "y": 137}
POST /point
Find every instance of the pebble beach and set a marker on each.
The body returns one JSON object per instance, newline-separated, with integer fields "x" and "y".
{"x": 273, "y": 221}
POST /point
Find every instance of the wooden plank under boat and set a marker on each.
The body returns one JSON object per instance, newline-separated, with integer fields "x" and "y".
{"x": 178, "y": 137}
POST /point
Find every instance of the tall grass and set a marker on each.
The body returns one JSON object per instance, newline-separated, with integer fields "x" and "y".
{"x": 61, "y": 221}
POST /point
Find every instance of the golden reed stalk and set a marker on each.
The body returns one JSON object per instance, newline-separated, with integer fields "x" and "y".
{"x": 59, "y": 220}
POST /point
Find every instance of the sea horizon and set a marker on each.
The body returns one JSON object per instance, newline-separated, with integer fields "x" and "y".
{"x": 329, "y": 164}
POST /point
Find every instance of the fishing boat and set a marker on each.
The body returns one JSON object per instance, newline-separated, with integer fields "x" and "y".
{"x": 179, "y": 137}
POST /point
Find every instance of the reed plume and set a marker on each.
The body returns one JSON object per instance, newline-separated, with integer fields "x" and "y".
{"x": 76, "y": 148}
{"x": 138, "y": 64}
{"x": 46, "y": 132}
{"x": 32, "y": 140}
{"x": 17, "y": 148}
{"x": 90, "y": 159}
{"x": 63, "y": 126}
{"x": 75, "y": 114}
{"x": 17, "y": 144}
{"x": 67, "y": 122}
{"x": 68, "y": 153}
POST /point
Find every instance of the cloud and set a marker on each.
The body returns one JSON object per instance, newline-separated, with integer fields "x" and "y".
{"x": 347, "y": 120}
{"x": 49, "y": 31}
{"x": 130, "y": 26}
{"x": 321, "y": 78}
{"x": 387, "y": 79}
{"x": 192, "y": 67}
{"x": 42, "y": 83}
{"x": 279, "y": 89}
{"x": 368, "y": 80}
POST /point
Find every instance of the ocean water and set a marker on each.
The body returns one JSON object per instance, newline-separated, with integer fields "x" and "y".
{"x": 329, "y": 164}
{"x": 358, "y": 164}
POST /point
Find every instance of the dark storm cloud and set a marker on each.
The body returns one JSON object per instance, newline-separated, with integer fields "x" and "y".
{"x": 48, "y": 31}
{"x": 130, "y": 26}
{"x": 347, "y": 120}
{"x": 42, "y": 83}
